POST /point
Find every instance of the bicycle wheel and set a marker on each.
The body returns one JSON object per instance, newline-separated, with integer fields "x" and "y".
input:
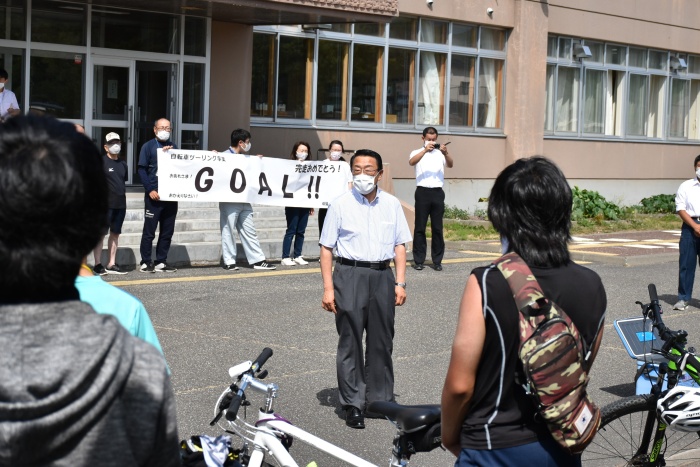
{"x": 621, "y": 431}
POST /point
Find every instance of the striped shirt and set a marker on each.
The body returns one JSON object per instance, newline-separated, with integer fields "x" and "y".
{"x": 365, "y": 231}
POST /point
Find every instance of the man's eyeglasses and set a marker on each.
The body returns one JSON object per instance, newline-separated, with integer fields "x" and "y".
{"x": 367, "y": 171}
{"x": 163, "y": 128}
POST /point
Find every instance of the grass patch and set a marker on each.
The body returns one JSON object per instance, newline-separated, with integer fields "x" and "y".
{"x": 629, "y": 221}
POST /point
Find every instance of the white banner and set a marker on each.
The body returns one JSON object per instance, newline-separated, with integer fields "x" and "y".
{"x": 207, "y": 176}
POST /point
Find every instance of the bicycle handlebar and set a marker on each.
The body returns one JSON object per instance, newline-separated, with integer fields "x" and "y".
{"x": 669, "y": 337}
{"x": 262, "y": 358}
{"x": 247, "y": 379}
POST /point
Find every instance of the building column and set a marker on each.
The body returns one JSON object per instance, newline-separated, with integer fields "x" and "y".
{"x": 525, "y": 78}
{"x": 230, "y": 81}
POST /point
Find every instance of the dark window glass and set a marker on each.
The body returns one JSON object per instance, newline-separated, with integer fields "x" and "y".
{"x": 195, "y": 36}
{"x": 59, "y": 22}
{"x": 56, "y": 84}
{"x": 135, "y": 30}
{"x": 193, "y": 93}
{"x": 261, "y": 92}
{"x": 331, "y": 99}
{"x": 12, "y": 20}
{"x": 403, "y": 28}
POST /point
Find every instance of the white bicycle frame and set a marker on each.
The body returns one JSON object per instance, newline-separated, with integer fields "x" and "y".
{"x": 267, "y": 441}
{"x": 269, "y": 424}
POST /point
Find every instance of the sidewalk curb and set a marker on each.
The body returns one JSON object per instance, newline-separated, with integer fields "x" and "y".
{"x": 628, "y": 261}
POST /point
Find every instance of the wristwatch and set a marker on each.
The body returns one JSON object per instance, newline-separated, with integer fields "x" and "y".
{"x": 400, "y": 284}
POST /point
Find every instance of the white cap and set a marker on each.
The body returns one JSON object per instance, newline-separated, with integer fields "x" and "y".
{"x": 111, "y": 137}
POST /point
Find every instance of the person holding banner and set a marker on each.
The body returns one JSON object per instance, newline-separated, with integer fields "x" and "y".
{"x": 297, "y": 218}
{"x": 369, "y": 229}
{"x": 156, "y": 211}
{"x": 239, "y": 217}
{"x": 335, "y": 153}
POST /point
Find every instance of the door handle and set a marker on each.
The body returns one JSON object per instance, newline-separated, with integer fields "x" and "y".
{"x": 130, "y": 124}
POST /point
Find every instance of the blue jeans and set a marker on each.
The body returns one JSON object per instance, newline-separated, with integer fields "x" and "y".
{"x": 297, "y": 218}
{"x": 544, "y": 453}
{"x": 689, "y": 251}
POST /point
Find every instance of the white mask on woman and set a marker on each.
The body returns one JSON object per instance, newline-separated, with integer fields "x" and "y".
{"x": 335, "y": 155}
{"x": 302, "y": 156}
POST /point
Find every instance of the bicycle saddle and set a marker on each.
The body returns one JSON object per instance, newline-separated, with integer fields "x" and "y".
{"x": 408, "y": 418}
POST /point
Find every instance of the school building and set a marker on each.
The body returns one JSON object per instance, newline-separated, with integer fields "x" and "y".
{"x": 609, "y": 90}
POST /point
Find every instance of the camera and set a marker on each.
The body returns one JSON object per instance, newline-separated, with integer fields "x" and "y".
{"x": 437, "y": 146}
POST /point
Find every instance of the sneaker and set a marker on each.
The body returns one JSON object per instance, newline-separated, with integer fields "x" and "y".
{"x": 99, "y": 270}
{"x": 146, "y": 267}
{"x": 418, "y": 266}
{"x": 163, "y": 267}
{"x": 300, "y": 261}
{"x": 681, "y": 305}
{"x": 288, "y": 262}
{"x": 114, "y": 269}
{"x": 231, "y": 267}
{"x": 264, "y": 265}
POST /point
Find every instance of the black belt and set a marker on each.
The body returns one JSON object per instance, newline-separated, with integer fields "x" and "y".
{"x": 379, "y": 265}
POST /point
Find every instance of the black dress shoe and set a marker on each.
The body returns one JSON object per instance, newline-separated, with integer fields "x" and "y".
{"x": 418, "y": 266}
{"x": 438, "y": 267}
{"x": 354, "y": 417}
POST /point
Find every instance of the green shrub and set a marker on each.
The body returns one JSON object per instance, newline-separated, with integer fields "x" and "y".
{"x": 453, "y": 212}
{"x": 658, "y": 204}
{"x": 591, "y": 205}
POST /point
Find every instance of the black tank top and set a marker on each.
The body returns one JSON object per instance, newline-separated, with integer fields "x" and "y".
{"x": 501, "y": 415}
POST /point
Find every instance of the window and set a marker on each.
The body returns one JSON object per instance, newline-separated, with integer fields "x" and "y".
{"x": 490, "y": 91}
{"x": 295, "y": 76}
{"x": 431, "y": 88}
{"x": 12, "y": 20}
{"x": 135, "y": 30}
{"x": 400, "y": 86}
{"x": 331, "y": 102}
{"x": 367, "y": 72}
{"x": 462, "y": 90}
{"x": 418, "y": 72}
{"x": 57, "y": 84}
{"x": 620, "y": 91}
{"x": 263, "y": 80}
{"x": 71, "y": 16}
{"x": 193, "y": 93}
{"x": 195, "y": 36}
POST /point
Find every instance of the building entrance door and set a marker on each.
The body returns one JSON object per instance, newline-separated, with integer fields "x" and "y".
{"x": 128, "y": 97}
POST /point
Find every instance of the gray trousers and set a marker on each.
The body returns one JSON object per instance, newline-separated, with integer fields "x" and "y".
{"x": 239, "y": 217}
{"x": 365, "y": 303}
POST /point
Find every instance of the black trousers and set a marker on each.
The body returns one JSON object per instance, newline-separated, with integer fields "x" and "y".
{"x": 321, "y": 219}
{"x": 163, "y": 212}
{"x": 365, "y": 303}
{"x": 429, "y": 202}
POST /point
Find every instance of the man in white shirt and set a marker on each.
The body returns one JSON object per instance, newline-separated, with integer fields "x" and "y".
{"x": 8, "y": 100}
{"x": 368, "y": 228}
{"x": 688, "y": 207}
{"x": 430, "y": 162}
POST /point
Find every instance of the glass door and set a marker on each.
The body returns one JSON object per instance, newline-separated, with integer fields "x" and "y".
{"x": 113, "y": 106}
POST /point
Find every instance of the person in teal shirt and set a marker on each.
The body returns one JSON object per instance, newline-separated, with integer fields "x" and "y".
{"x": 108, "y": 299}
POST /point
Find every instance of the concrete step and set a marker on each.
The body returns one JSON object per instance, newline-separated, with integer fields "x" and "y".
{"x": 196, "y": 236}
{"x": 205, "y": 253}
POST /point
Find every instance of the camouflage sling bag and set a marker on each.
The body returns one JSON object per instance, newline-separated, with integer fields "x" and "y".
{"x": 554, "y": 360}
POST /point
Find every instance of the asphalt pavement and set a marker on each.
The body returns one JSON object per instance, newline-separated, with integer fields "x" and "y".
{"x": 209, "y": 319}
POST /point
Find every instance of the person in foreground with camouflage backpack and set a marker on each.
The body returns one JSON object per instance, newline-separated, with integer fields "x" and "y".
{"x": 488, "y": 418}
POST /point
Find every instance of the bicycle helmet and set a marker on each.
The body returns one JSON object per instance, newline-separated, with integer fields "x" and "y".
{"x": 680, "y": 408}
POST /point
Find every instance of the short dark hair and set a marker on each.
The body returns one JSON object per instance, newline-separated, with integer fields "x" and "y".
{"x": 370, "y": 153}
{"x": 293, "y": 156}
{"x": 530, "y": 205}
{"x": 238, "y": 135}
{"x": 430, "y": 130}
{"x": 697, "y": 159}
{"x": 53, "y": 207}
{"x": 3, "y": 73}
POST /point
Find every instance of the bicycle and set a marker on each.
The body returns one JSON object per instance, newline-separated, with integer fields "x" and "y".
{"x": 271, "y": 437}
{"x": 631, "y": 430}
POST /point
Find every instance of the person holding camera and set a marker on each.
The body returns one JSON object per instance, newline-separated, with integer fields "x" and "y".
{"x": 429, "y": 162}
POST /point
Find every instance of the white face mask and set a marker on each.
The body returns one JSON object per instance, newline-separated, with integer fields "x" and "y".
{"x": 428, "y": 142}
{"x": 302, "y": 156}
{"x": 163, "y": 135}
{"x": 115, "y": 149}
{"x": 246, "y": 148}
{"x": 363, "y": 183}
{"x": 697, "y": 172}
{"x": 335, "y": 155}
{"x": 2, "y": 85}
